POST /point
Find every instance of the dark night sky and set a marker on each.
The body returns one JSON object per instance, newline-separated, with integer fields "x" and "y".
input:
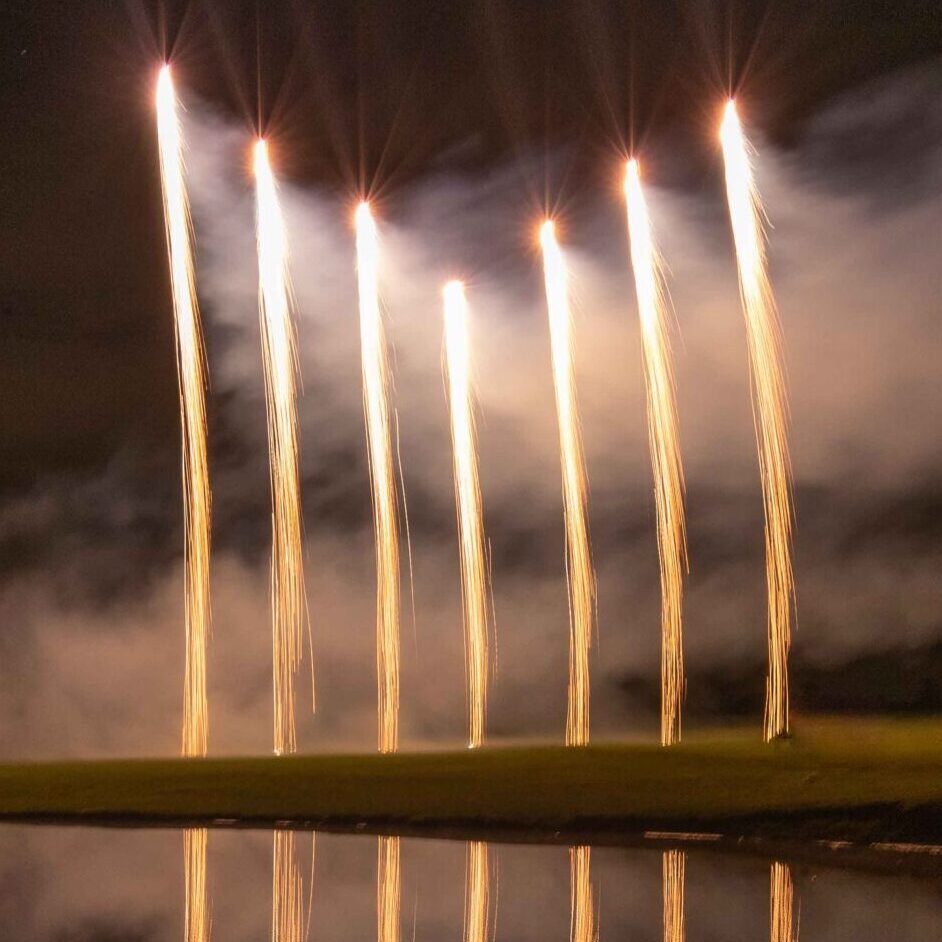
{"x": 359, "y": 93}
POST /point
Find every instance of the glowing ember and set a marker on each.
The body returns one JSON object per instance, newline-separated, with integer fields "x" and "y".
{"x": 771, "y": 409}
{"x": 280, "y": 361}
{"x": 388, "y": 891}
{"x": 477, "y": 894}
{"x": 196, "y": 914}
{"x": 474, "y": 581}
{"x": 382, "y": 478}
{"x": 578, "y": 555}
{"x": 674, "y": 862}
{"x": 582, "y": 921}
{"x": 664, "y": 444}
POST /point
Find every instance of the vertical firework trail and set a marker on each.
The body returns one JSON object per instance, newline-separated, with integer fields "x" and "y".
{"x": 582, "y": 905}
{"x": 388, "y": 884}
{"x": 781, "y": 905}
{"x": 191, "y": 373}
{"x": 674, "y": 862}
{"x": 287, "y": 917}
{"x": 770, "y": 409}
{"x": 664, "y": 444}
{"x": 578, "y": 554}
{"x": 280, "y": 361}
{"x": 382, "y": 479}
{"x": 477, "y": 894}
{"x": 474, "y": 590}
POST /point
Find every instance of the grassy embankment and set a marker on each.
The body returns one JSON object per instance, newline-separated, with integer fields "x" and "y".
{"x": 860, "y": 780}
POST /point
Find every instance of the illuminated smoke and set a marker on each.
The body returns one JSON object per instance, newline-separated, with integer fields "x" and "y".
{"x": 770, "y": 409}
{"x": 664, "y": 444}
{"x": 382, "y": 479}
{"x": 474, "y": 570}
{"x": 578, "y": 556}
{"x": 280, "y": 362}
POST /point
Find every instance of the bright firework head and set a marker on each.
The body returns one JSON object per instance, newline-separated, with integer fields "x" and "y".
{"x": 664, "y": 444}
{"x": 580, "y": 574}
{"x": 471, "y": 543}
{"x": 770, "y": 410}
{"x": 289, "y": 612}
{"x": 191, "y": 373}
{"x": 377, "y": 412}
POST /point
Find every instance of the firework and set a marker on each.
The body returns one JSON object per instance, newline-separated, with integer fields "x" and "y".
{"x": 578, "y": 555}
{"x": 191, "y": 373}
{"x": 477, "y": 894}
{"x": 770, "y": 409}
{"x": 582, "y": 919}
{"x": 781, "y": 904}
{"x": 382, "y": 479}
{"x": 196, "y": 915}
{"x": 674, "y": 862}
{"x": 474, "y": 587}
{"x": 388, "y": 890}
{"x": 664, "y": 444}
{"x": 280, "y": 362}
{"x": 287, "y": 916}
{"x": 191, "y": 377}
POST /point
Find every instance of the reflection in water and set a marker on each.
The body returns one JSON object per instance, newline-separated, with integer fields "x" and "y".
{"x": 287, "y": 910}
{"x": 582, "y": 922}
{"x": 477, "y": 894}
{"x": 674, "y": 862}
{"x": 781, "y": 904}
{"x": 387, "y": 890}
{"x": 196, "y": 919}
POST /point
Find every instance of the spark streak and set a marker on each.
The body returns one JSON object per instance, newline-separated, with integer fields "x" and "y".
{"x": 382, "y": 479}
{"x": 196, "y": 915}
{"x": 582, "y": 920}
{"x": 781, "y": 904}
{"x": 280, "y": 361}
{"x": 477, "y": 894}
{"x": 770, "y": 410}
{"x": 191, "y": 378}
{"x": 664, "y": 445}
{"x": 578, "y": 555}
{"x": 287, "y": 916}
{"x": 474, "y": 583}
{"x": 388, "y": 890}
{"x": 674, "y": 862}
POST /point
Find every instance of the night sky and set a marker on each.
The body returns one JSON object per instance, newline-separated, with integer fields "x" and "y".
{"x": 486, "y": 114}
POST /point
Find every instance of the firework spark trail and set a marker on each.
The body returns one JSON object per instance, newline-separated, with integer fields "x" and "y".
{"x": 582, "y": 919}
{"x": 477, "y": 894}
{"x": 388, "y": 890}
{"x": 191, "y": 375}
{"x": 474, "y": 588}
{"x": 781, "y": 904}
{"x": 191, "y": 372}
{"x": 280, "y": 361}
{"x": 196, "y": 909}
{"x": 770, "y": 409}
{"x": 382, "y": 479}
{"x": 664, "y": 444}
{"x": 578, "y": 554}
{"x": 674, "y": 862}
{"x": 287, "y": 914}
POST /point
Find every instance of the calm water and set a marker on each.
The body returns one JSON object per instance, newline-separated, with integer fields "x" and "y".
{"x": 90, "y": 885}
